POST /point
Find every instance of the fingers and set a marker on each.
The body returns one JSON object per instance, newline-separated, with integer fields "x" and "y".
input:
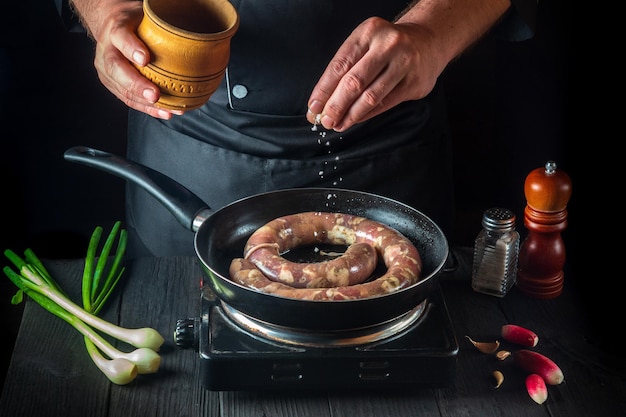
{"x": 340, "y": 84}
{"x": 355, "y": 93}
{"x": 375, "y": 69}
{"x": 355, "y": 82}
{"x": 118, "y": 52}
{"x": 124, "y": 80}
{"x": 356, "y": 98}
{"x": 361, "y": 93}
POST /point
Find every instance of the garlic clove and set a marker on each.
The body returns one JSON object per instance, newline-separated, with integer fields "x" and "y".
{"x": 503, "y": 354}
{"x": 485, "y": 347}
{"x": 499, "y": 377}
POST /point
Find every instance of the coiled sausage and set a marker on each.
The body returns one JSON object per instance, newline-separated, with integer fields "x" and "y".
{"x": 263, "y": 267}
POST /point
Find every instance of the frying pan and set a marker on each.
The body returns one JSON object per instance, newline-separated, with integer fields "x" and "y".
{"x": 220, "y": 236}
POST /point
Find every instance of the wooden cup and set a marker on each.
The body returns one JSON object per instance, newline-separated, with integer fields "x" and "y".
{"x": 189, "y": 42}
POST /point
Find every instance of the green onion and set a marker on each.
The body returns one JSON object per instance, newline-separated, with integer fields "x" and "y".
{"x": 98, "y": 283}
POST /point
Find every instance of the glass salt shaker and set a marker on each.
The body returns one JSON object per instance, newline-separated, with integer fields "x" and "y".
{"x": 496, "y": 249}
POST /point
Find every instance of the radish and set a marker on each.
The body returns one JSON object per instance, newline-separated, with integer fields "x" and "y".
{"x": 519, "y": 335}
{"x": 536, "y": 387}
{"x": 537, "y": 363}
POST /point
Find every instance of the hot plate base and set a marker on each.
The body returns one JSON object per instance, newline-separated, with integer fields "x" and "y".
{"x": 233, "y": 359}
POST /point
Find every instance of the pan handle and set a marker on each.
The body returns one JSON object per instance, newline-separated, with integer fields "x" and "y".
{"x": 186, "y": 207}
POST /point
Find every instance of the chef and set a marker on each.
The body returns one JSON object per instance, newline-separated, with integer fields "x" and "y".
{"x": 317, "y": 93}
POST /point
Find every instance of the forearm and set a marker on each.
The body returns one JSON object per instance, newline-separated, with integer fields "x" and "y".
{"x": 454, "y": 24}
{"x": 94, "y": 14}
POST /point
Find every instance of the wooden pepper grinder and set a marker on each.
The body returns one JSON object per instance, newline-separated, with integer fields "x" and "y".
{"x": 542, "y": 253}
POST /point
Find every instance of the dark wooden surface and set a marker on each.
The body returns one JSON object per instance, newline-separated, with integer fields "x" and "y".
{"x": 51, "y": 374}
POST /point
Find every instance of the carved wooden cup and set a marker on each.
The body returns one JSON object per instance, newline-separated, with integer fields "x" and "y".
{"x": 189, "y": 42}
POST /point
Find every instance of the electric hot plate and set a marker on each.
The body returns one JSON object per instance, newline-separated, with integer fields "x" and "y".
{"x": 238, "y": 352}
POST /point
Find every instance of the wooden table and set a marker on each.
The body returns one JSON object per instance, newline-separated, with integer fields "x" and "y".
{"x": 51, "y": 374}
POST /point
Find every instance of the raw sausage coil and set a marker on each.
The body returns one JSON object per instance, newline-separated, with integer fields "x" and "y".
{"x": 263, "y": 267}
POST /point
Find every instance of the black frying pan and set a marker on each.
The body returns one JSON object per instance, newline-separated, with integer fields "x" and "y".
{"x": 220, "y": 236}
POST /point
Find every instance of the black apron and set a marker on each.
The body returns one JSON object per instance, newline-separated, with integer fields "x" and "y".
{"x": 252, "y": 136}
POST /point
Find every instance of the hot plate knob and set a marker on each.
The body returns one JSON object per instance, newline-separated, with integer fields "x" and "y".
{"x": 186, "y": 335}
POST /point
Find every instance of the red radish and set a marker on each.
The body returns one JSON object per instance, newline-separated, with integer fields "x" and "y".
{"x": 536, "y": 387}
{"x": 519, "y": 335}
{"x": 536, "y": 363}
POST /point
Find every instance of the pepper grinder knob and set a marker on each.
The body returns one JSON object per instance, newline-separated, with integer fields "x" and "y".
{"x": 542, "y": 253}
{"x": 548, "y": 189}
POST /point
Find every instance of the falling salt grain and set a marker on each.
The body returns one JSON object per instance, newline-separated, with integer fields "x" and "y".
{"x": 318, "y": 119}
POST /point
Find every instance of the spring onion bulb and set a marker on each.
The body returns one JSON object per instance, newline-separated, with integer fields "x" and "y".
{"x": 119, "y": 371}
{"x": 146, "y": 360}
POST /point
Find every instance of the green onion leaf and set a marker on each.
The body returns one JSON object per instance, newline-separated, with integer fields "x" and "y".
{"x": 100, "y": 291}
{"x": 18, "y": 297}
{"x": 89, "y": 267}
